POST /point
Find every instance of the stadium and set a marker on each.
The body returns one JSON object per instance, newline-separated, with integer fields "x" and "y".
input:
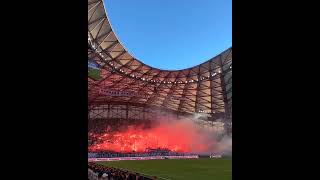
{"x": 149, "y": 123}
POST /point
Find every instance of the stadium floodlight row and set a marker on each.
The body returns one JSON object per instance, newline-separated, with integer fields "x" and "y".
{"x": 205, "y": 88}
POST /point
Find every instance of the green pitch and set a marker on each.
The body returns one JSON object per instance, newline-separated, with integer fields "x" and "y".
{"x": 186, "y": 169}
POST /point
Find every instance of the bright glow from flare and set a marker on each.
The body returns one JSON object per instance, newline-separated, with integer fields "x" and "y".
{"x": 177, "y": 137}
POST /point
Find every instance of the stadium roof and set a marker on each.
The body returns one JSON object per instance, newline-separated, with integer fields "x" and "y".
{"x": 206, "y": 87}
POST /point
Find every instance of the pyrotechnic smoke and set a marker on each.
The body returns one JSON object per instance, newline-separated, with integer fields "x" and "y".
{"x": 180, "y": 135}
{"x": 222, "y": 141}
{"x": 224, "y": 146}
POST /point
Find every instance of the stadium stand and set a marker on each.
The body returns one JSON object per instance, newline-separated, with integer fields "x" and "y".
{"x": 109, "y": 154}
{"x": 124, "y": 92}
{"x": 100, "y": 172}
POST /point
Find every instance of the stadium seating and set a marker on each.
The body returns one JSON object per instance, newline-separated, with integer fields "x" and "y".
{"x": 100, "y": 172}
{"x": 109, "y": 154}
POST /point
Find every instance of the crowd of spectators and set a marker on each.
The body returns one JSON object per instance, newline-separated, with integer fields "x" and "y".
{"x": 100, "y": 126}
{"x": 109, "y": 154}
{"x": 101, "y": 172}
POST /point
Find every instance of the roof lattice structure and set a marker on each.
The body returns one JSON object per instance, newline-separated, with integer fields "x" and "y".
{"x": 205, "y": 88}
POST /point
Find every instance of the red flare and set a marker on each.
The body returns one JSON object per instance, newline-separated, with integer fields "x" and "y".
{"x": 179, "y": 137}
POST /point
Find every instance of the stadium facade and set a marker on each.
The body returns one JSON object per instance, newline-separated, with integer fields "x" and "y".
{"x": 129, "y": 90}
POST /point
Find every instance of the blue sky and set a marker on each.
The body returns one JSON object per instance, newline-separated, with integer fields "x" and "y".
{"x": 172, "y": 34}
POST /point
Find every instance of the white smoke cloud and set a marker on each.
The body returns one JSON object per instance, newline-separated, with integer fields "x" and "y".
{"x": 210, "y": 133}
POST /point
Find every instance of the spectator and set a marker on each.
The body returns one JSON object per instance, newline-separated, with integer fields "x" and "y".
{"x": 97, "y": 171}
{"x": 104, "y": 176}
{"x": 137, "y": 176}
